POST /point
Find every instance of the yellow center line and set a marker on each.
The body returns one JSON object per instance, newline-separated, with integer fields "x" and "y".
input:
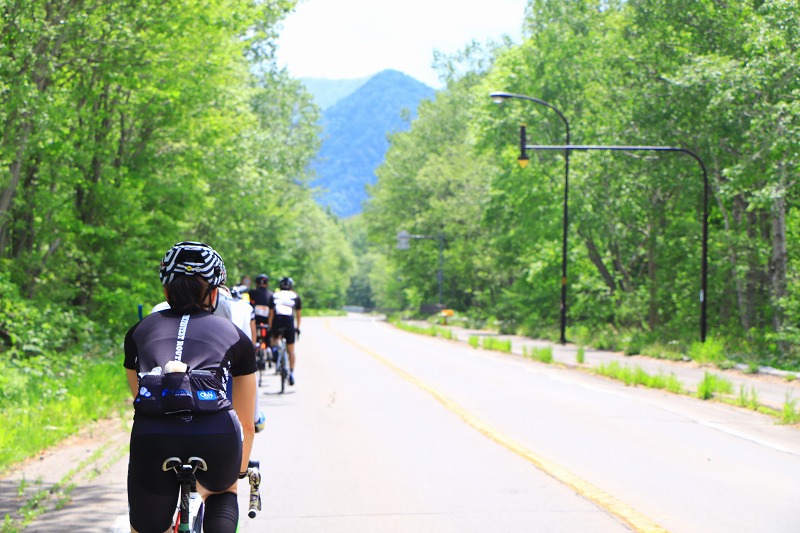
{"x": 625, "y": 513}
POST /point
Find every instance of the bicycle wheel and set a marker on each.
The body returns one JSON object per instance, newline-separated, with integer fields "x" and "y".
{"x": 196, "y": 513}
{"x": 283, "y": 364}
{"x": 260, "y": 363}
{"x": 197, "y": 527}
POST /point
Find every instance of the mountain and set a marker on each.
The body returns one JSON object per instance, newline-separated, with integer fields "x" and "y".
{"x": 328, "y": 92}
{"x": 355, "y": 131}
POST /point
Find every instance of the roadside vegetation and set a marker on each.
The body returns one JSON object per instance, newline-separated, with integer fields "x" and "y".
{"x": 712, "y": 387}
{"x": 55, "y": 378}
{"x": 181, "y": 126}
{"x": 625, "y": 76}
{"x": 431, "y": 331}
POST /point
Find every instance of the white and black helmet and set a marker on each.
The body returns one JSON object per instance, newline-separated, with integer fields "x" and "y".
{"x": 191, "y": 258}
{"x": 286, "y": 283}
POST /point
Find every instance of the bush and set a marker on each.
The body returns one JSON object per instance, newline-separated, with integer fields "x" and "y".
{"x": 713, "y": 385}
{"x": 50, "y": 383}
{"x": 710, "y": 352}
{"x": 49, "y": 401}
{"x": 32, "y": 329}
{"x": 543, "y": 355}
{"x": 492, "y": 343}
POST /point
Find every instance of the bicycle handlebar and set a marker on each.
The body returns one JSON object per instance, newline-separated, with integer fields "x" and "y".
{"x": 254, "y": 477}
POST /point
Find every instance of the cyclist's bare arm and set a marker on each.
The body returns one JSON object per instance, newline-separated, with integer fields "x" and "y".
{"x": 271, "y": 317}
{"x": 133, "y": 381}
{"x": 297, "y": 318}
{"x": 244, "y": 401}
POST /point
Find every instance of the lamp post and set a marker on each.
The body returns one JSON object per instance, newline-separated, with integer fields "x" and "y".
{"x": 403, "y": 243}
{"x": 499, "y": 98}
{"x": 704, "y": 259}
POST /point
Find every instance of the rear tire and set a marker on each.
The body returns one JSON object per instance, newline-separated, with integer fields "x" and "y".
{"x": 198, "y": 519}
{"x": 261, "y": 364}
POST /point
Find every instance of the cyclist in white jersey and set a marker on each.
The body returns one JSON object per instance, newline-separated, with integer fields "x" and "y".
{"x": 284, "y": 306}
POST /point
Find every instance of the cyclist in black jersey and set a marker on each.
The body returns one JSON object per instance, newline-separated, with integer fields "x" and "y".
{"x": 259, "y": 300}
{"x": 178, "y": 362}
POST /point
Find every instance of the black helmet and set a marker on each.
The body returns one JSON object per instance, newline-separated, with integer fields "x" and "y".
{"x": 262, "y": 277}
{"x": 286, "y": 283}
{"x": 191, "y": 258}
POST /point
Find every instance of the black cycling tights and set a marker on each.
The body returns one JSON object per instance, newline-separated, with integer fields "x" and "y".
{"x": 222, "y": 513}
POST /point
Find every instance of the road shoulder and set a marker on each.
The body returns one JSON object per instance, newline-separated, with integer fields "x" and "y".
{"x": 77, "y": 485}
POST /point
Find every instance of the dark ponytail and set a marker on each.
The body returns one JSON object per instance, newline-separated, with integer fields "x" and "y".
{"x": 189, "y": 294}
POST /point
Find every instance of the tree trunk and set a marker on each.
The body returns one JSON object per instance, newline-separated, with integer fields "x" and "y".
{"x": 597, "y": 260}
{"x": 8, "y": 194}
{"x": 779, "y": 259}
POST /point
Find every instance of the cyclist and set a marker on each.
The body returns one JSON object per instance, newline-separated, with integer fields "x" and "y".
{"x": 259, "y": 299}
{"x": 283, "y": 307}
{"x": 244, "y": 288}
{"x": 177, "y": 363}
{"x": 242, "y": 313}
{"x": 243, "y": 317}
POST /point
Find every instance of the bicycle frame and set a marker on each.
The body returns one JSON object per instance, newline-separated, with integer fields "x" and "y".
{"x": 190, "y": 508}
{"x": 263, "y": 359}
{"x": 282, "y": 365}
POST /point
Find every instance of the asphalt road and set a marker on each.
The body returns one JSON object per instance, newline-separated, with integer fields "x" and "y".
{"x": 390, "y": 431}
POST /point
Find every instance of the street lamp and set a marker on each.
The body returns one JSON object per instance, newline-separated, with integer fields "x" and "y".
{"x": 403, "y": 243}
{"x": 499, "y": 98}
{"x": 704, "y": 259}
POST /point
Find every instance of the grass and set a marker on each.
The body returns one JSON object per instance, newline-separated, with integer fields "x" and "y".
{"x": 748, "y": 399}
{"x": 789, "y": 413}
{"x": 669, "y": 352}
{"x": 637, "y": 376}
{"x": 711, "y": 352}
{"x": 324, "y": 312}
{"x": 431, "y": 331}
{"x": 543, "y": 355}
{"x": 712, "y": 385}
{"x": 498, "y": 345}
{"x": 39, "y": 407}
{"x": 40, "y": 499}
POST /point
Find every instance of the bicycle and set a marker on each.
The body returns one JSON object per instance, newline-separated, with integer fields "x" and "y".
{"x": 263, "y": 361}
{"x": 281, "y": 359}
{"x": 189, "y": 517}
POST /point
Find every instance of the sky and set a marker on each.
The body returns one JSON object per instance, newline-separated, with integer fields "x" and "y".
{"x": 345, "y": 39}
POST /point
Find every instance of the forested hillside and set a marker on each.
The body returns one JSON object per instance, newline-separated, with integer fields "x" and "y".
{"x": 719, "y": 79}
{"x": 327, "y": 92}
{"x": 355, "y": 137}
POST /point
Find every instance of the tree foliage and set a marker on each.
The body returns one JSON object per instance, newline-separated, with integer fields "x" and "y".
{"x": 718, "y": 79}
{"x": 130, "y": 126}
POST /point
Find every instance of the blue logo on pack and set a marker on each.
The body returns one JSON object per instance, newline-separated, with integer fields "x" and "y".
{"x": 176, "y": 392}
{"x": 207, "y": 394}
